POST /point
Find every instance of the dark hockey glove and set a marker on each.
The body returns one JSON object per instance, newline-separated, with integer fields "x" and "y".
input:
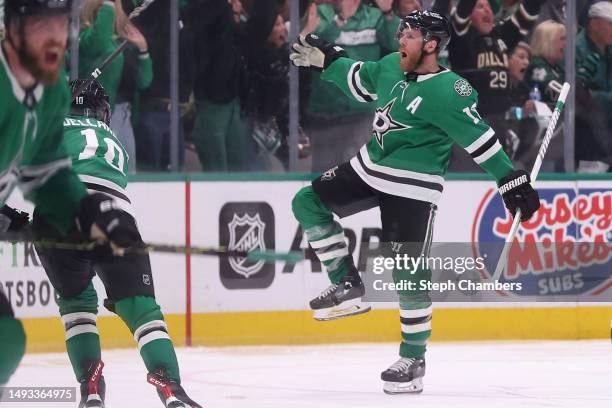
{"x": 13, "y": 220}
{"x": 517, "y": 192}
{"x": 314, "y": 52}
{"x": 101, "y": 220}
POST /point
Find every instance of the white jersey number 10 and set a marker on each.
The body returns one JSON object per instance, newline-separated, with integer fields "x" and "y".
{"x": 113, "y": 156}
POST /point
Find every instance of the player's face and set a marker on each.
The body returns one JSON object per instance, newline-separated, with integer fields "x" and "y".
{"x": 406, "y": 7}
{"x": 44, "y": 45}
{"x": 519, "y": 60}
{"x": 411, "y": 48}
{"x": 482, "y": 17}
{"x": 278, "y": 35}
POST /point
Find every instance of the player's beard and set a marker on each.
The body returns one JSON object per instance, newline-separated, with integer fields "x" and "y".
{"x": 410, "y": 61}
{"x": 45, "y": 64}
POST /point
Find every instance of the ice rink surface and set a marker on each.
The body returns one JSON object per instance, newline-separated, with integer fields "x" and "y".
{"x": 487, "y": 374}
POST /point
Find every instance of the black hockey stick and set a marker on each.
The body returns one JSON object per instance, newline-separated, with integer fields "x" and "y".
{"x": 147, "y": 247}
{"x": 98, "y": 71}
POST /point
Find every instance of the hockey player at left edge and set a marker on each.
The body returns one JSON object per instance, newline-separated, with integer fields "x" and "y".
{"x": 34, "y": 101}
{"x": 422, "y": 109}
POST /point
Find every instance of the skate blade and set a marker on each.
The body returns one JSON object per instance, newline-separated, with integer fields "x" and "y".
{"x": 412, "y": 387}
{"x": 345, "y": 309}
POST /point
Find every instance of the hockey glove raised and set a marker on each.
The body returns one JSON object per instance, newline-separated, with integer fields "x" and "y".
{"x": 100, "y": 219}
{"x": 517, "y": 192}
{"x": 314, "y": 52}
{"x": 13, "y": 220}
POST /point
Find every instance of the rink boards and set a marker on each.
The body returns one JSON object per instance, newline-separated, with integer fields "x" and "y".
{"x": 214, "y": 301}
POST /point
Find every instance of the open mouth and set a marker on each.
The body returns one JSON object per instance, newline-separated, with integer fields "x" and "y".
{"x": 403, "y": 54}
{"x": 51, "y": 57}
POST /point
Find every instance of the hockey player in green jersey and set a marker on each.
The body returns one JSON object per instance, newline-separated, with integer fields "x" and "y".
{"x": 101, "y": 163}
{"x": 422, "y": 109}
{"x": 33, "y": 104}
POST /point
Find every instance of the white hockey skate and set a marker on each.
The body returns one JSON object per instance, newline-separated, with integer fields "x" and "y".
{"x": 405, "y": 376}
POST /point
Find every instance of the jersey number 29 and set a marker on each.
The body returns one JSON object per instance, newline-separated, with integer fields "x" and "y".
{"x": 113, "y": 156}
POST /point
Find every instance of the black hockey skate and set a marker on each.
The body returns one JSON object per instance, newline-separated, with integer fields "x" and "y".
{"x": 341, "y": 300}
{"x": 93, "y": 387}
{"x": 170, "y": 392}
{"x": 405, "y": 376}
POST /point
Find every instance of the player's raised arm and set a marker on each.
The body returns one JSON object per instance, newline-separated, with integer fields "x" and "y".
{"x": 357, "y": 79}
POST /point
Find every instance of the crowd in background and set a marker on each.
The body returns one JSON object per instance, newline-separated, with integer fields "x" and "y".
{"x": 234, "y": 78}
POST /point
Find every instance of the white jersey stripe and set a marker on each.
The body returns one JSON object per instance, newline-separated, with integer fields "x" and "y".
{"x": 397, "y": 189}
{"x": 398, "y": 172}
{"x": 360, "y": 85}
{"x": 490, "y": 152}
{"x": 480, "y": 141}
{"x": 349, "y": 80}
{"x": 416, "y": 328}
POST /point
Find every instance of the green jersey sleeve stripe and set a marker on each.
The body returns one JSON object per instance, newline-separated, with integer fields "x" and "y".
{"x": 357, "y": 89}
{"x": 484, "y": 138}
{"x": 486, "y": 155}
{"x": 33, "y": 177}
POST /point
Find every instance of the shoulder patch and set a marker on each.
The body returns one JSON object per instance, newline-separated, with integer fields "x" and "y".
{"x": 463, "y": 88}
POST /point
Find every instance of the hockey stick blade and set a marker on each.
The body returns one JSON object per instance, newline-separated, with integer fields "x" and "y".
{"x": 501, "y": 263}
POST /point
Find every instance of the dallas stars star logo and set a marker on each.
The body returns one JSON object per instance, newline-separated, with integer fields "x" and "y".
{"x": 384, "y": 122}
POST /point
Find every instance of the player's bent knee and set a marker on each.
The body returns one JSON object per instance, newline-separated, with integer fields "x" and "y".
{"x": 307, "y": 202}
{"x": 138, "y": 311}
{"x": 13, "y": 341}
{"x": 144, "y": 319}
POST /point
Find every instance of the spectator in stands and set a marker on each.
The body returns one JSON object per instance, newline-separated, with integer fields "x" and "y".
{"x": 217, "y": 132}
{"x": 594, "y": 96}
{"x": 522, "y": 126}
{"x": 546, "y": 68}
{"x": 404, "y": 7}
{"x": 337, "y": 125}
{"x": 136, "y": 76}
{"x": 479, "y": 50}
{"x": 97, "y": 40}
{"x": 266, "y": 100}
{"x": 153, "y": 130}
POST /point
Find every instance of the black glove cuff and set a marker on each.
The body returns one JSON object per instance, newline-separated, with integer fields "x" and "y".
{"x": 332, "y": 51}
{"x": 513, "y": 181}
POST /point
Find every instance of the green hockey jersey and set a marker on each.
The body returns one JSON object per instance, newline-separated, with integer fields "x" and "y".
{"x": 548, "y": 78}
{"x": 32, "y": 154}
{"x": 98, "y": 157}
{"x": 417, "y": 119}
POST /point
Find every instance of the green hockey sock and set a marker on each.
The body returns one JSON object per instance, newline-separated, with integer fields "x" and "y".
{"x": 79, "y": 316}
{"x": 324, "y": 235}
{"x": 146, "y": 322}
{"x": 415, "y": 318}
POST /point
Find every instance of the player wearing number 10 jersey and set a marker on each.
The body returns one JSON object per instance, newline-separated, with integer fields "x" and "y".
{"x": 100, "y": 161}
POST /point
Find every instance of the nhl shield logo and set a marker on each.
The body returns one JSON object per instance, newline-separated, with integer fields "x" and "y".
{"x": 246, "y": 226}
{"x": 246, "y": 234}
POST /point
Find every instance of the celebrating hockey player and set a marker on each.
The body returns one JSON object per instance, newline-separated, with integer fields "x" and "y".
{"x": 422, "y": 109}
{"x": 33, "y": 104}
{"x": 101, "y": 162}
